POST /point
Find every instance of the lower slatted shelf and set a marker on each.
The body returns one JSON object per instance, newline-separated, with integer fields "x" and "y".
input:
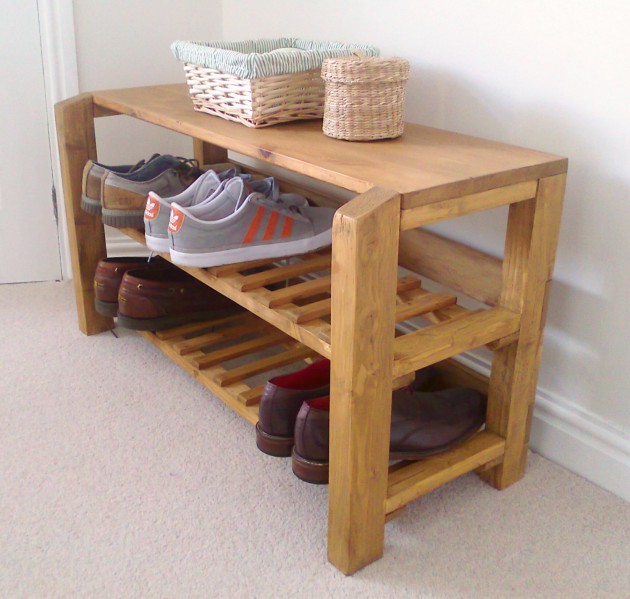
{"x": 235, "y": 355}
{"x": 232, "y": 356}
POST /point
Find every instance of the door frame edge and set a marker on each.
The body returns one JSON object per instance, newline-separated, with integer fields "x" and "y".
{"x": 61, "y": 81}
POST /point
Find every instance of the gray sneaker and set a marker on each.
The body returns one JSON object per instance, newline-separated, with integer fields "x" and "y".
{"x": 241, "y": 225}
{"x": 158, "y": 209}
{"x": 208, "y": 188}
{"x": 91, "y": 183}
{"x": 124, "y": 196}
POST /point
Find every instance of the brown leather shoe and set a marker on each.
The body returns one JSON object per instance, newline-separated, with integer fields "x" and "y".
{"x": 108, "y": 276}
{"x": 423, "y": 424}
{"x": 156, "y": 299}
{"x": 283, "y": 397}
{"x": 281, "y": 401}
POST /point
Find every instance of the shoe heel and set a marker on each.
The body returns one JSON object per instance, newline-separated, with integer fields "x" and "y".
{"x": 122, "y": 218}
{"x": 279, "y": 447}
{"x": 90, "y": 206}
{"x": 106, "y": 308}
{"x": 309, "y": 471}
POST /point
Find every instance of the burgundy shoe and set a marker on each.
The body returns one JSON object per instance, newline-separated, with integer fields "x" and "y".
{"x": 423, "y": 424}
{"x": 281, "y": 401}
{"x": 108, "y": 276}
{"x": 157, "y": 299}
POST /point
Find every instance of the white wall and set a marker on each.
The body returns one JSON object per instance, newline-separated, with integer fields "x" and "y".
{"x": 553, "y": 75}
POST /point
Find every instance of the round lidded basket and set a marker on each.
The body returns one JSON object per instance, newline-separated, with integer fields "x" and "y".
{"x": 364, "y": 97}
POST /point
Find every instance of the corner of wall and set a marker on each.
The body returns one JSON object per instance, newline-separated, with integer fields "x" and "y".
{"x": 576, "y": 438}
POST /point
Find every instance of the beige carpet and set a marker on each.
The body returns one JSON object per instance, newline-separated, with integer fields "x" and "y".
{"x": 122, "y": 477}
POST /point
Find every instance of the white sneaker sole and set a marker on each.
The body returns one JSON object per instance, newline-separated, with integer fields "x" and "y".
{"x": 253, "y": 252}
{"x": 157, "y": 244}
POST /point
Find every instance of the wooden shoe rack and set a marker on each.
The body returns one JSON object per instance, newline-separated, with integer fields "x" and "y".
{"x": 348, "y": 303}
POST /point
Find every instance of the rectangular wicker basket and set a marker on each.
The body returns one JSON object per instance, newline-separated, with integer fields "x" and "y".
{"x": 260, "y": 82}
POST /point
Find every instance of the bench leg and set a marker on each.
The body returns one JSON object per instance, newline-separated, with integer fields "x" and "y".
{"x": 77, "y": 145}
{"x": 206, "y": 153}
{"x": 364, "y": 274}
{"x": 531, "y": 242}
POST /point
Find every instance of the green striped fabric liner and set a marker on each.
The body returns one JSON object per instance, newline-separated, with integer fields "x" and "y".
{"x": 254, "y": 59}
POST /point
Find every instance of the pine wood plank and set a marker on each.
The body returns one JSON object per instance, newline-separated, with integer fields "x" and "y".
{"x": 308, "y": 264}
{"x": 455, "y": 374}
{"x": 86, "y": 236}
{"x": 206, "y": 153}
{"x": 193, "y": 327}
{"x": 422, "y": 304}
{"x": 531, "y": 242}
{"x": 365, "y": 252}
{"x": 237, "y": 267}
{"x": 393, "y": 515}
{"x": 455, "y": 311}
{"x": 302, "y": 314}
{"x": 409, "y": 165}
{"x": 280, "y": 297}
{"x": 264, "y": 365}
{"x": 459, "y": 206}
{"x": 207, "y": 378}
{"x": 403, "y": 381}
{"x": 251, "y": 396}
{"x": 241, "y": 349}
{"x": 438, "y": 342}
{"x": 423, "y": 476}
{"x": 453, "y": 264}
{"x": 188, "y": 346}
{"x": 408, "y": 283}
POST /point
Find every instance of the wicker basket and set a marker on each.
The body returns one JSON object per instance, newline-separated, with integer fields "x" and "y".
{"x": 260, "y": 82}
{"x": 364, "y": 97}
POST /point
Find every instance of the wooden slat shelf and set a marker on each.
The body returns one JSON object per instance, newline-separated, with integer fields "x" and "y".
{"x": 454, "y": 329}
{"x": 217, "y": 344}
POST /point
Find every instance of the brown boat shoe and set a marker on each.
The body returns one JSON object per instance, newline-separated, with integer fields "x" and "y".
{"x": 423, "y": 424}
{"x": 283, "y": 397}
{"x": 108, "y": 276}
{"x": 157, "y": 299}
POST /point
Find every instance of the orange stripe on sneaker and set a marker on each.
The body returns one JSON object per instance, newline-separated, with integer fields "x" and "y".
{"x": 271, "y": 226}
{"x": 253, "y": 228}
{"x": 287, "y": 227}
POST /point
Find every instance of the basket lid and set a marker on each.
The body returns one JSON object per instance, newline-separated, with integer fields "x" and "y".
{"x": 365, "y": 69}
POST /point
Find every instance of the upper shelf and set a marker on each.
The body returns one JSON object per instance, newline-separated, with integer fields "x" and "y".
{"x": 424, "y": 165}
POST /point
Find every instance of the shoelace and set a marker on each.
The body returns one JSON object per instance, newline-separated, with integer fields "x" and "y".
{"x": 188, "y": 167}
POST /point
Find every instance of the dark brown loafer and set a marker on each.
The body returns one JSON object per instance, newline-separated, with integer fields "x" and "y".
{"x": 108, "y": 276}
{"x": 423, "y": 424}
{"x": 284, "y": 395}
{"x": 281, "y": 401}
{"x": 154, "y": 299}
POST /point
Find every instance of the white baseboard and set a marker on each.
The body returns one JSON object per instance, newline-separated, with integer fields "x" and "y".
{"x": 576, "y": 438}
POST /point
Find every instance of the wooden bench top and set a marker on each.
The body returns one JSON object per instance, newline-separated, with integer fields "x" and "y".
{"x": 424, "y": 165}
